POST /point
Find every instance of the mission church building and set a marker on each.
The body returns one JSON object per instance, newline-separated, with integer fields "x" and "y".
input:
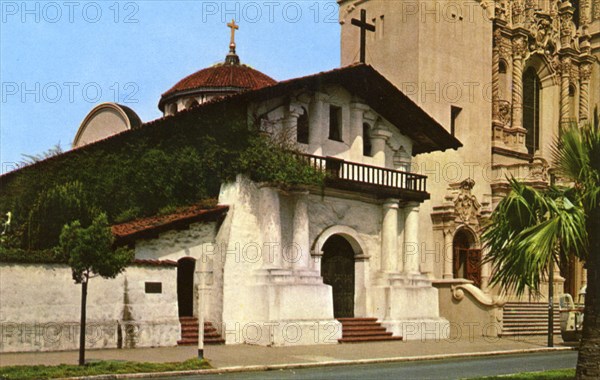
{"x": 271, "y": 266}
{"x": 434, "y": 105}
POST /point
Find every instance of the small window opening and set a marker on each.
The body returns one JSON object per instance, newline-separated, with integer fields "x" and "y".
{"x": 502, "y": 67}
{"x": 335, "y": 123}
{"x": 367, "y": 147}
{"x": 454, "y": 112}
{"x": 302, "y": 128}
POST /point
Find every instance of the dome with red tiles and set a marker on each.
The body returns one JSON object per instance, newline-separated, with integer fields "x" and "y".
{"x": 229, "y": 77}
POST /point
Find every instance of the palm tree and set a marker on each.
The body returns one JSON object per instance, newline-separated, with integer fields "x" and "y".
{"x": 577, "y": 159}
{"x": 528, "y": 231}
{"x": 531, "y": 230}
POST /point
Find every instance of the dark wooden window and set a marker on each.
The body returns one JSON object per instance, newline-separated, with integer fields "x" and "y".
{"x": 335, "y": 123}
{"x": 302, "y": 128}
{"x": 531, "y": 109}
{"x": 153, "y": 287}
{"x": 367, "y": 147}
{"x": 454, "y": 112}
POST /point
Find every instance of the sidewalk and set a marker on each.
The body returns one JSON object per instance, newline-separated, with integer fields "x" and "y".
{"x": 222, "y": 357}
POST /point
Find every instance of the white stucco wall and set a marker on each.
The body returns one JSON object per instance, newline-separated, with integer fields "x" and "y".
{"x": 199, "y": 242}
{"x": 40, "y": 309}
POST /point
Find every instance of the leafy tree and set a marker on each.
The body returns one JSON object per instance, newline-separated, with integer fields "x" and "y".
{"x": 90, "y": 252}
{"x": 53, "y": 209}
{"x": 530, "y": 230}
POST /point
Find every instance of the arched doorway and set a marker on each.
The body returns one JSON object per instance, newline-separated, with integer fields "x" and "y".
{"x": 185, "y": 286}
{"x": 337, "y": 269}
{"x": 467, "y": 258}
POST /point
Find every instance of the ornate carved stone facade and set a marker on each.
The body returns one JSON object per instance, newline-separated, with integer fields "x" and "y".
{"x": 543, "y": 35}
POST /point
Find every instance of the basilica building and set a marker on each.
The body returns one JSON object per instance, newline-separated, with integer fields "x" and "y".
{"x": 503, "y": 77}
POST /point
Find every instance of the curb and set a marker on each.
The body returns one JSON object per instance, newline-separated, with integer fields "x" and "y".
{"x": 276, "y": 367}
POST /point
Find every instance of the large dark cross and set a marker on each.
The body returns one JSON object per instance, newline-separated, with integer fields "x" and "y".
{"x": 364, "y": 26}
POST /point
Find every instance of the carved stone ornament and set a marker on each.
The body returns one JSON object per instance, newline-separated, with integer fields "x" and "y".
{"x": 517, "y": 12}
{"x": 574, "y": 74}
{"x": 519, "y": 46}
{"x": 585, "y": 72}
{"x": 565, "y": 65}
{"x": 466, "y": 204}
{"x": 539, "y": 169}
{"x": 504, "y": 112}
{"x": 502, "y": 9}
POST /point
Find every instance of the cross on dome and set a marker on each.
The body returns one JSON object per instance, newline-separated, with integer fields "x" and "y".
{"x": 232, "y": 58}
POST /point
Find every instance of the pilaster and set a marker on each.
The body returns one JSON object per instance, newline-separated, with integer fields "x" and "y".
{"x": 357, "y": 111}
{"x": 448, "y": 254}
{"x": 389, "y": 237}
{"x": 379, "y": 137}
{"x": 301, "y": 237}
{"x": 317, "y": 125}
{"x": 411, "y": 250}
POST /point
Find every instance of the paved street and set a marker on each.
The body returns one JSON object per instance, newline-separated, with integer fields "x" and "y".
{"x": 438, "y": 369}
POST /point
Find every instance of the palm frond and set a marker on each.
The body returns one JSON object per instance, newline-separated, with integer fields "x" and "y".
{"x": 526, "y": 230}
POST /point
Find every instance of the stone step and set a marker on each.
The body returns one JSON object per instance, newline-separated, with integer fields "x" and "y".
{"x": 544, "y": 311}
{"x": 346, "y": 334}
{"x": 190, "y": 333}
{"x": 528, "y": 333}
{"x": 528, "y": 318}
{"x": 526, "y": 330}
{"x": 344, "y": 320}
{"x": 370, "y": 339}
{"x": 360, "y": 323}
{"x": 363, "y": 328}
{"x": 357, "y": 330}
{"x": 529, "y": 326}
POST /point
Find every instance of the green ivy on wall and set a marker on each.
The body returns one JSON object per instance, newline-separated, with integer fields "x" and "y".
{"x": 169, "y": 163}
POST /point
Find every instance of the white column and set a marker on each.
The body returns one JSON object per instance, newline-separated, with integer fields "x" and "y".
{"x": 448, "y": 254}
{"x": 270, "y": 226}
{"x": 357, "y": 111}
{"x": 301, "y": 237}
{"x": 400, "y": 241}
{"x": 486, "y": 271}
{"x": 290, "y": 125}
{"x": 317, "y": 124}
{"x": 378, "y": 139}
{"x": 389, "y": 236}
{"x": 411, "y": 239}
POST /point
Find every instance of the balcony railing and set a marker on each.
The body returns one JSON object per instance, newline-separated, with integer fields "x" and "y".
{"x": 382, "y": 181}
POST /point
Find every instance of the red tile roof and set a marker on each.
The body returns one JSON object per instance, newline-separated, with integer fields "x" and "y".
{"x": 150, "y": 227}
{"x": 221, "y": 76}
{"x": 359, "y": 78}
{"x": 155, "y": 263}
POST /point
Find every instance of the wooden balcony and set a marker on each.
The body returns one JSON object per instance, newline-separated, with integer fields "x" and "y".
{"x": 368, "y": 179}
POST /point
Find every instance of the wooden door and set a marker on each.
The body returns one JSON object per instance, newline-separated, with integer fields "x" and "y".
{"x": 337, "y": 269}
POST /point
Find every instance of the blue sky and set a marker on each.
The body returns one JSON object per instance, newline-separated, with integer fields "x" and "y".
{"x": 60, "y": 58}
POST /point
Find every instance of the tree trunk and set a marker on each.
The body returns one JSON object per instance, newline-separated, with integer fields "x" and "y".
{"x": 84, "y": 285}
{"x": 588, "y": 362}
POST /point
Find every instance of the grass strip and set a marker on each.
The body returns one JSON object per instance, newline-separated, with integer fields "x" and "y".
{"x": 558, "y": 374}
{"x": 26, "y": 372}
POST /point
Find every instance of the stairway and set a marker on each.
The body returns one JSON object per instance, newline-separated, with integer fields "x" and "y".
{"x": 355, "y": 330}
{"x": 527, "y": 318}
{"x": 189, "y": 332}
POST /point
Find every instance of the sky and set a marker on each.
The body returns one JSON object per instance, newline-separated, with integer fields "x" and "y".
{"x": 58, "y": 59}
